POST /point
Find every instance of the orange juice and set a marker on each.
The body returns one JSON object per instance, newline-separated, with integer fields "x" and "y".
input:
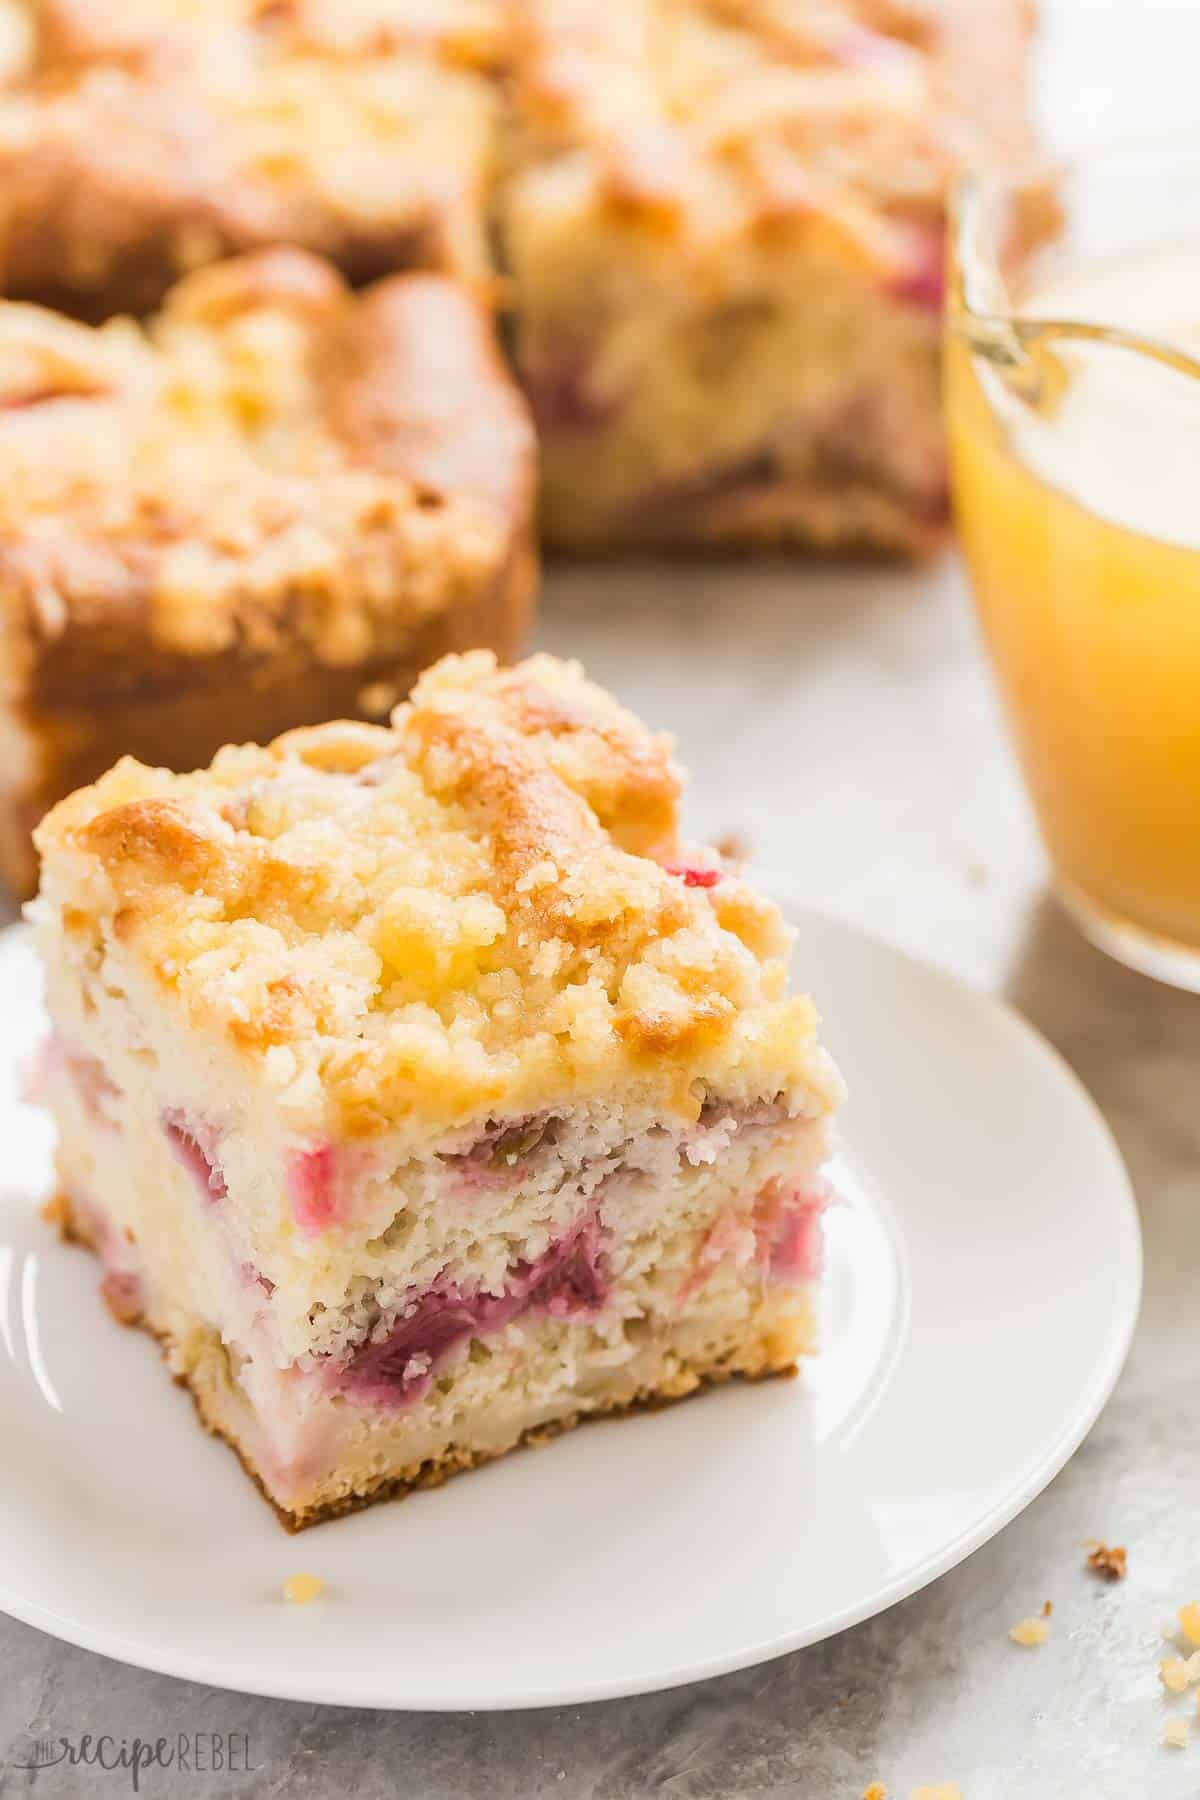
{"x": 1075, "y": 445}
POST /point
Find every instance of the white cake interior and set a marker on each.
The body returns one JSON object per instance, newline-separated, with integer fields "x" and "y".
{"x": 352, "y": 1316}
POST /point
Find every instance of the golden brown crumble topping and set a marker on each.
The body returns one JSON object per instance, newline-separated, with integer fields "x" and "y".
{"x": 151, "y": 136}
{"x": 469, "y": 32}
{"x": 484, "y": 906}
{"x": 700, "y": 111}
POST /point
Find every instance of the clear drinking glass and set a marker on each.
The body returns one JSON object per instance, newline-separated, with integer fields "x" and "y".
{"x": 1073, "y": 399}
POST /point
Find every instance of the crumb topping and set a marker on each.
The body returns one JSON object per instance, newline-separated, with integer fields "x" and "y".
{"x": 218, "y": 478}
{"x": 155, "y": 136}
{"x": 471, "y": 911}
{"x": 469, "y": 32}
{"x": 843, "y": 117}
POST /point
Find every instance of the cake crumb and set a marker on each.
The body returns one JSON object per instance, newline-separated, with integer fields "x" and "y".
{"x": 876, "y": 1791}
{"x": 1030, "y": 1632}
{"x": 1175, "y": 1733}
{"x": 302, "y": 1589}
{"x": 1179, "y": 1672}
{"x": 1108, "y": 1563}
{"x": 1189, "y": 1623}
{"x": 1047, "y": 1608}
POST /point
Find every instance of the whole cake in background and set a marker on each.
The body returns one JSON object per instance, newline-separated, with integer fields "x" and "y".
{"x": 276, "y": 501}
{"x": 421, "y": 1091}
{"x": 719, "y": 222}
{"x": 715, "y": 226}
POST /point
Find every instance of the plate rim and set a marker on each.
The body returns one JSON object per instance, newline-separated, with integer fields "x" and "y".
{"x": 214, "y": 1671}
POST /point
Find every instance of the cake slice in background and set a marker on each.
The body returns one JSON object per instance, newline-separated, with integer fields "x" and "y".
{"x": 147, "y": 137}
{"x": 422, "y": 1091}
{"x": 274, "y": 504}
{"x": 725, "y": 239}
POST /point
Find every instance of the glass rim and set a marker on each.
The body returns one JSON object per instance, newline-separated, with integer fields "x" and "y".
{"x": 974, "y": 263}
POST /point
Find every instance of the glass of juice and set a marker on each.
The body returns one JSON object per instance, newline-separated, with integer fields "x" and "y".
{"x": 1073, "y": 400}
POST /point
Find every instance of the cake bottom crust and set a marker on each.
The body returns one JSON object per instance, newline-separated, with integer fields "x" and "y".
{"x": 200, "y": 1365}
{"x": 435, "y": 1471}
{"x": 836, "y": 515}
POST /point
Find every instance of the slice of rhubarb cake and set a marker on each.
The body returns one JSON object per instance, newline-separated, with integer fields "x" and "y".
{"x": 724, "y": 237}
{"x": 421, "y": 1090}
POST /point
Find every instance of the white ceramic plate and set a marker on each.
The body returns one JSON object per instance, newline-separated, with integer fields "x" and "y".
{"x": 983, "y": 1286}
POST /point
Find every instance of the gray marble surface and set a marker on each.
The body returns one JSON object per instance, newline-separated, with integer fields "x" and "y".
{"x": 842, "y": 722}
